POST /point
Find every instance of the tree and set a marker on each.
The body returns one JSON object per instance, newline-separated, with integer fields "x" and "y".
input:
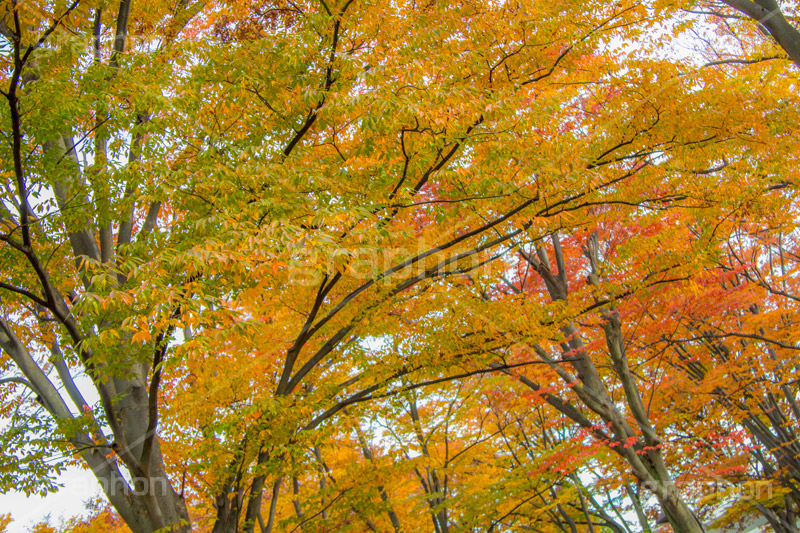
{"x": 243, "y": 220}
{"x": 770, "y": 18}
{"x": 611, "y": 259}
{"x": 5, "y": 520}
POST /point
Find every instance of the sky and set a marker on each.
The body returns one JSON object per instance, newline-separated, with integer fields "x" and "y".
{"x": 79, "y": 487}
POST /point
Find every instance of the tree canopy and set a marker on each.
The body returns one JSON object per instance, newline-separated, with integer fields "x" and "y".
{"x": 456, "y": 265}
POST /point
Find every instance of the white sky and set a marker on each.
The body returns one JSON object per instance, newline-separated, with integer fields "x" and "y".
{"x": 79, "y": 486}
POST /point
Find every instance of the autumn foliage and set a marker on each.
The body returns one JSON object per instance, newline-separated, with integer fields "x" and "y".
{"x": 397, "y": 266}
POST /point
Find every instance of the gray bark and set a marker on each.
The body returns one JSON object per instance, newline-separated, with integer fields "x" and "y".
{"x": 768, "y": 13}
